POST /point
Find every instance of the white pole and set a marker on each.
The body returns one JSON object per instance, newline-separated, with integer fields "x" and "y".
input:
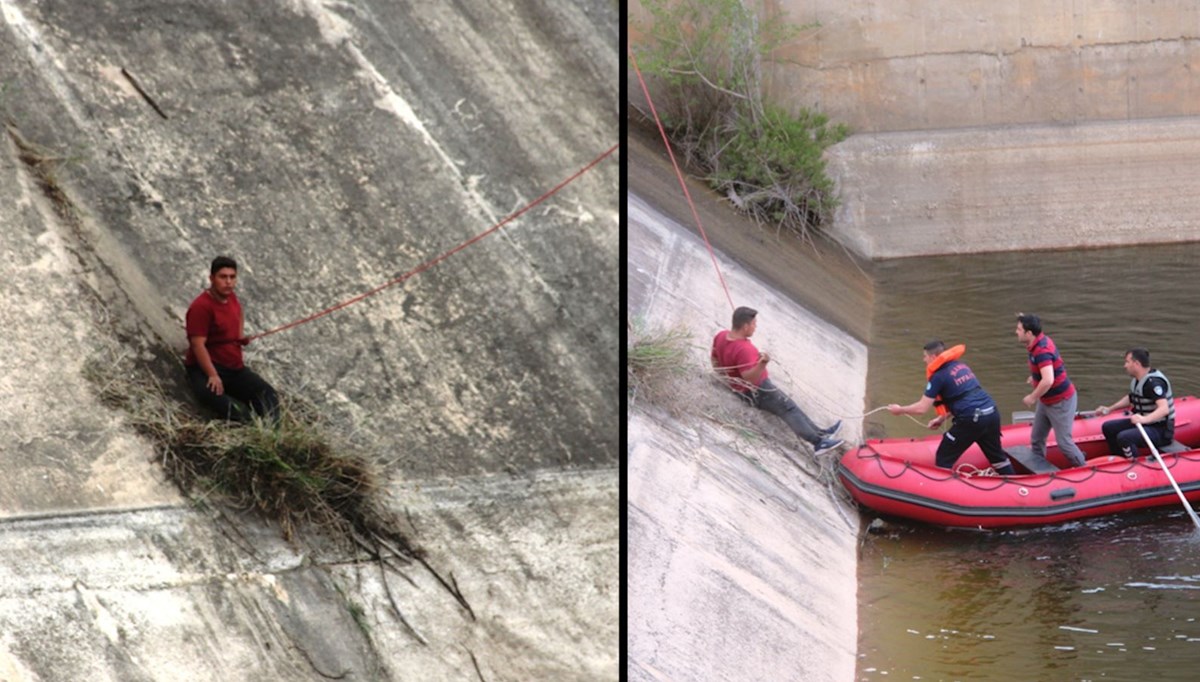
{"x": 1195, "y": 519}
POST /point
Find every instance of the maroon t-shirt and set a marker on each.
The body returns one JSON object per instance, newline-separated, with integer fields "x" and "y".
{"x": 221, "y": 324}
{"x": 735, "y": 357}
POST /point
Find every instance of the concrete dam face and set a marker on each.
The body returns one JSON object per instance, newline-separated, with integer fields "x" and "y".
{"x": 330, "y": 148}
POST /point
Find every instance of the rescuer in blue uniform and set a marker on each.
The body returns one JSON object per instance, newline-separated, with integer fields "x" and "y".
{"x": 976, "y": 419}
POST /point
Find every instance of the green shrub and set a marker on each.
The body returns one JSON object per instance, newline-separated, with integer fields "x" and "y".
{"x": 707, "y": 56}
{"x": 776, "y": 170}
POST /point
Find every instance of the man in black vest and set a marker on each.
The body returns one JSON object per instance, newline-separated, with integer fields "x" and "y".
{"x": 1152, "y": 403}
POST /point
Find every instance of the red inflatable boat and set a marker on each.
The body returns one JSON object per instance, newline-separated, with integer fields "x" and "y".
{"x": 897, "y": 477}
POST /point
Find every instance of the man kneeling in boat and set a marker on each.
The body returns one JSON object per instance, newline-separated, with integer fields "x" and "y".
{"x": 1152, "y": 403}
{"x": 954, "y": 389}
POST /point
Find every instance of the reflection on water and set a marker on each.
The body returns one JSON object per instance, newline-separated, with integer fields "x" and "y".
{"x": 1114, "y": 598}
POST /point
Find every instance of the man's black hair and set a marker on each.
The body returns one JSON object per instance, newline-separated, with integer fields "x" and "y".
{"x": 222, "y": 262}
{"x": 1140, "y": 355}
{"x": 935, "y": 347}
{"x": 742, "y": 316}
{"x": 1030, "y": 323}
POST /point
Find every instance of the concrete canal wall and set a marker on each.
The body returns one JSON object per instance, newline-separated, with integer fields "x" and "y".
{"x": 983, "y": 126}
{"x": 741, "y": 556}
{"x": 329, "y": 147}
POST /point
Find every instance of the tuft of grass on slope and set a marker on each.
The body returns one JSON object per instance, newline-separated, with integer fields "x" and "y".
{"x": 286, "y": 471}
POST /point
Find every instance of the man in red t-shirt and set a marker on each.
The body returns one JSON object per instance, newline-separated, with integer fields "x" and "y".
{"x": 745, "y": 370}
{"x": 214, "y": 364}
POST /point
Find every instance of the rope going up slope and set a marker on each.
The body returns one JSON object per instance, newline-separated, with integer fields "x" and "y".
{"x": 434, "y": 261}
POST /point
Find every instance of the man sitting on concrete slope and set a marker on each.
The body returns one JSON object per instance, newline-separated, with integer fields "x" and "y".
{"x": 216, "y": 373}
{"x": 746, "y": 373}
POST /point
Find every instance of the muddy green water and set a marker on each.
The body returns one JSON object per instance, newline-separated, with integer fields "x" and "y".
{"x": 1116, "y": 598}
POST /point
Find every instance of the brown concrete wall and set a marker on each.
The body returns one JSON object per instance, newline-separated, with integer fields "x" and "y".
{"x": 883, "y": 66}
{"x": 906, "y": 65}
{"x": 1024, "y": 188}
{"x": 986, "y": 126}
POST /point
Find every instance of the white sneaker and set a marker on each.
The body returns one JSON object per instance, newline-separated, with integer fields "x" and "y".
{"x": 826, "y": 444}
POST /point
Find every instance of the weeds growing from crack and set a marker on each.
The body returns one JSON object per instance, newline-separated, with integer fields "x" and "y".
{"x": 287, "y": 472}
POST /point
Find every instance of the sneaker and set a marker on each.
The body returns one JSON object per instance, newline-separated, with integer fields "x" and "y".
{"x": 837, "y": 425}
{"x": 826, "y": 444}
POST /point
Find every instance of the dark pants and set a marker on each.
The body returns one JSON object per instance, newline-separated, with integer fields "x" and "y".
{"x": 768, "y": 397}
{"x": 244, "y": 391}
{"x": 1124, "y": 439}
{"x": 968, "y": 429}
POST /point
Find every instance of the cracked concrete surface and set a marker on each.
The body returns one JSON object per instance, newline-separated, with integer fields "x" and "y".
{"x": 329, "y": 146}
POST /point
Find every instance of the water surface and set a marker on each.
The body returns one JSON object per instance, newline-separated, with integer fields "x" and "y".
{"x": 1116, "y": 598}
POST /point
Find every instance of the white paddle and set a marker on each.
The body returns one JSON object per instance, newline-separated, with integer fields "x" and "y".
{"x": 1195, "y": 519}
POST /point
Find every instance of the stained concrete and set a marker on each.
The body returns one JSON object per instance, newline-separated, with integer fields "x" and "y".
{"x": 1018, "y": 188}
{"x": 972, "y": 63}
{"x": 330, "y": 147}
{"x": 800, "y": 270}
{"x": 742, "y": 560}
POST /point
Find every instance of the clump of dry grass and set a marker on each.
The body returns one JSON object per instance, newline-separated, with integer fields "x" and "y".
{"x": 286, "y": 470}
{"x": 662, "y": 371}
{"x": 655, "y": 362}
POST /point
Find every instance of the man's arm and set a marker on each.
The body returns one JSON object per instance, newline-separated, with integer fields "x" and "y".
{"x": 1044, "y": 384}
{"x": 1119, "y": 405}
{"x": 754, "y": 374}
{"x": 920, "y": 407}
{"x": 206, "y": 364}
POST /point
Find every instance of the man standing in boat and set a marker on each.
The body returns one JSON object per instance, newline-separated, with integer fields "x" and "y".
{"x": 955, "y": 389}
{"x": 1152, "y": 404}
{"x": 1053, "y": 392}
{"x": 745, "y": 369}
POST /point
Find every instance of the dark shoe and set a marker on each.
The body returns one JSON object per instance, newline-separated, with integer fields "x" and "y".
{"x": 833, "y": 429}
{"x": 826, "y": 444}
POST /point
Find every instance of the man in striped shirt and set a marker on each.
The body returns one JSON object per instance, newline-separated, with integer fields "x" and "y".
{"x": 1053, "y": 392}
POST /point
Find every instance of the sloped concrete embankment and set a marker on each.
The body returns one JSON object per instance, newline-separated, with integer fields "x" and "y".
{"x": 329, "y": 147}
{"x": 742, "y": 560}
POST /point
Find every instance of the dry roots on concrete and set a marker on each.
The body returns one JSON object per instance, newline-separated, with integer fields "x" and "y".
{"x": 285, "y": 471}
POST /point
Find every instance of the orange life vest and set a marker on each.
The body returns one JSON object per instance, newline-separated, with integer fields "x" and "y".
{"x": 952, "y": 353}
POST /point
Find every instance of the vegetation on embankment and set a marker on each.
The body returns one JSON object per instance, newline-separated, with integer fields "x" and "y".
{"x": 707, "y": 57}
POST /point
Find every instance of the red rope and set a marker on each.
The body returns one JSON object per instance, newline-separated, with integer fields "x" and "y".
{"x": 432, "y": 262}
{"x": 678, "y": 174}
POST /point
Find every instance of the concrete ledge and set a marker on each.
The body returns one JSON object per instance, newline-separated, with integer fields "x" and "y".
{"x": 1030, "y": 187}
